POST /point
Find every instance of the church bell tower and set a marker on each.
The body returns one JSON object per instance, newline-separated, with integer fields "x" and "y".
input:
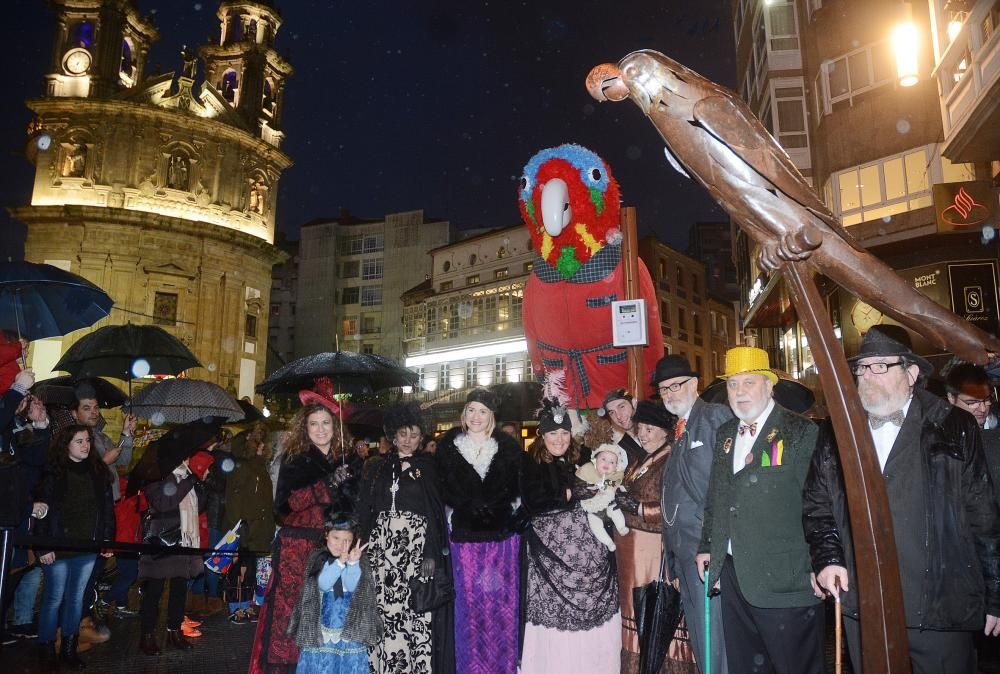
{"x": 245, "y": 68}
{"x": 100, "y": 48}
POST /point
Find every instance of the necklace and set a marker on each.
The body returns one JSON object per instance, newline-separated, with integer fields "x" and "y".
{"x": 393, "y": 489}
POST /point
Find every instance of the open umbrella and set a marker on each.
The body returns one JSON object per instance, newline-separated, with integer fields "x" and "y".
{"x": 166, "y": 452}
{"x": 54, "y": 391}
{"x": 788, "y": 392}
{"x": 39, "y": 300}
{"x": 251, "y": 414}
{"x": 180, "y": 401}
{"x": 518, "y": 401}
{"x": 350, "y": 373}
{"x": 113, "y": 351}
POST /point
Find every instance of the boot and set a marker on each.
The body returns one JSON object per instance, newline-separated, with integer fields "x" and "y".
{"x": 47, "y": 661}
{"x": 177, "y": 640}
{"x": 91, "y": 633}
{"x": 148, "y": 645}
{"x": 67, "y": 654}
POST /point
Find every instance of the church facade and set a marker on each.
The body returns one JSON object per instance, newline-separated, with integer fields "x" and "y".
{"x": 162, "y": 189}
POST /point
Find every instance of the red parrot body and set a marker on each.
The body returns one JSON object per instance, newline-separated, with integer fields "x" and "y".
{"x": 570, "y": 203}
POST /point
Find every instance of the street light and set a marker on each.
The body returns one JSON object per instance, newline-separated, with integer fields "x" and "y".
{"x": 905, "y": 42}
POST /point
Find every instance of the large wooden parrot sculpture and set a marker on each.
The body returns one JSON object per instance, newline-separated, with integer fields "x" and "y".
{"x": 570, "y": 203}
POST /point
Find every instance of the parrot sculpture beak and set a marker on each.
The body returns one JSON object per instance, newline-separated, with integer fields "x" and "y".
{"x": 556, "y": 211}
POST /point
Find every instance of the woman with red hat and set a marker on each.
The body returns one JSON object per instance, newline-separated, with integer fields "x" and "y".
{"x": 312, "y": 479}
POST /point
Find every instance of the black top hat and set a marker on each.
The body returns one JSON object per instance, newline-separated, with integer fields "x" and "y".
{"x": 654, "y": 414}
{"x": 672, "y": 366}
{"x": 890, "y": 340}
{"x": 484, "y": 397}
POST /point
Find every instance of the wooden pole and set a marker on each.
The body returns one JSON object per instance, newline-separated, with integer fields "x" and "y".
{"x": 630, "y": 270}
{"x": 884, "y": 644}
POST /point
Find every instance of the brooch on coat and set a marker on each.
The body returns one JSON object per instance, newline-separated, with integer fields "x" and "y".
{"x": 415, "y": 475}
{"x": 727, "y": 445}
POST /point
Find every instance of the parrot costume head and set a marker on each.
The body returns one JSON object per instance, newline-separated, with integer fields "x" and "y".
{"x": 570, "y": 203}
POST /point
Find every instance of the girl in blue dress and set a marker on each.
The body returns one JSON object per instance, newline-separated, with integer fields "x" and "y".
{"x": 318, "y": 623}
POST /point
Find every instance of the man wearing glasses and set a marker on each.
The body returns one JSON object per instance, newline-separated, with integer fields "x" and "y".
{"x": 944, "y": 519}
{"x": 969, "y": 388}
{"x": 685, "y": 484}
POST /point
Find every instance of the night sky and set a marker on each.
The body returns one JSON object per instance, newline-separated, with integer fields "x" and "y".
{"x": 432, "y": 104}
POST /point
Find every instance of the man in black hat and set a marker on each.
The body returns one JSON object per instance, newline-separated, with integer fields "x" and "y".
{"x": 685, "y": 484}
{"x": 944, "y": 517}
{"x": 619, "y": 408}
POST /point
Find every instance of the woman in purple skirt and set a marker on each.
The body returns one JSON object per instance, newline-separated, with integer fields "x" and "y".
{"x": 478, "y": 468}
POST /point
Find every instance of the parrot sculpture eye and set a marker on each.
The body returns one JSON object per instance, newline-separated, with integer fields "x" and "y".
{"x": 570, "y": 203}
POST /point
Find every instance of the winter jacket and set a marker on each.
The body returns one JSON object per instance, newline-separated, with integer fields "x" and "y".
{"x": 644, "y": 483}
{"x": 164, "y": 509}
{"x": 53, "y": 492}
{"x": 543, "y": 485}
{"x": 482, "y": 506}
{"x": 948, "y": 550}
{"x": 249, "y": 498}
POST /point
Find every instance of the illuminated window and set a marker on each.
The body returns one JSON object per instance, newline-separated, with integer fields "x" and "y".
{"x": 446, "y": 285}
{"x": 472, "y": 280}
{"x": 81, "y": 34}
{"x": 500, "y": 274}
{"x": 883, "y": 188}
{"x": 782, "y": 34}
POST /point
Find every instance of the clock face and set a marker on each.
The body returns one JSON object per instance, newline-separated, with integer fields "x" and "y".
{"x": 76, "y": 61}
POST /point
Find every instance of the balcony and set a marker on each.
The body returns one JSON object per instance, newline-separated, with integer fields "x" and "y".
{"x": 968, "y": 79}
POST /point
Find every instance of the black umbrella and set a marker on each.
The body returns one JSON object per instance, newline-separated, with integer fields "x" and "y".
{"x": 518, "y": 401}
{"x": 166, "y": 452}
{"x": 657, "y": 613}
{"x": 251, "y": 414}
{"x": 788, "y": 392}
{"x": 125, "y": 352}
{"x": 350, "y": 373}
{"x": 39, "y": 300}
{"x": 54, "y": 391}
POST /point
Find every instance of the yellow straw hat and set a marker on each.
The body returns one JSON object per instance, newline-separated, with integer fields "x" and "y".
{"x": 748, "y": 360}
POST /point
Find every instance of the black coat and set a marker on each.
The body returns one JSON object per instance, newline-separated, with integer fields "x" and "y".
{"x": 312, "y": 466}
{"x": 25, "y": 451}
{"x": 949, "y": 555}
{"x": 52, "y": 491}
{"x": 482, "y": 507}
{"x": 543, "y": 485}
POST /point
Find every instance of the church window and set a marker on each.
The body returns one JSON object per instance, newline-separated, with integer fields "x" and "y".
{"x": 165, "y": 309}
{"x": 82, "y": 35}
{"x": 230, "y": 83}
{"x": 235, "y": 32}
{"x": 127, "y": 66}
{"x": 250, "y": 327}
{"x": 268, "y": 103}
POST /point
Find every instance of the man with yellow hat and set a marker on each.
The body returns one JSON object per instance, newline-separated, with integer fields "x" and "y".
{"x": 752, "y": 540}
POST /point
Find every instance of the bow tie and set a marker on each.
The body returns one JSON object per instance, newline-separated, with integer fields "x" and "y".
{"x": 877, "y": 422}
{"x": 679, "y": 428}
{"x": 752, "y": 428}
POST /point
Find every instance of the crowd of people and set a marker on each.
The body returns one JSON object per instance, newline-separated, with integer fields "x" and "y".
{"x": 468, "y": 553}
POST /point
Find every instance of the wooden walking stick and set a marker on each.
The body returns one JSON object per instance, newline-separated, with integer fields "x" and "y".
{"x": 713, "y": 138}
{"x": 838, "y": 631}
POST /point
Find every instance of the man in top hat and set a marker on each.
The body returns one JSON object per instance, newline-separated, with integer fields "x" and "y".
{"x": 752, "y": 537}
{"x": 685, "y": 485}
{"x": 943, "y": 514}
{"x": 619, "y": 408}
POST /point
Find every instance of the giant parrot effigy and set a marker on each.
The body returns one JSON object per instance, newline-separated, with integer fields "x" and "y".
{"x": 570, "y": 202}
{"x": 713, "y": 138}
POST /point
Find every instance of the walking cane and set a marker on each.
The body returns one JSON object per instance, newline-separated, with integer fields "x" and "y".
{"x": 838, "y": 630}
{"x": 708, "y": 630}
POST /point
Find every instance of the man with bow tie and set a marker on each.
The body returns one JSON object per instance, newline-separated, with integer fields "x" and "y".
{"x": 685, "y": 485}
{"x": 752, "y": 537}
{"x": 944, "y": 517}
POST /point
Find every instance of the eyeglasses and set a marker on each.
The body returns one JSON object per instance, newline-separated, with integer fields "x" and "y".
{"x": 875, "y": 368}
{"x": 976, "y": 402}
{"x": 673, "y": 388}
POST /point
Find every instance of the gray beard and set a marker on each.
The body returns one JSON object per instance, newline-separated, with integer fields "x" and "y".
{"x": 882, "y": 406}
{"x": 678, "y": 411}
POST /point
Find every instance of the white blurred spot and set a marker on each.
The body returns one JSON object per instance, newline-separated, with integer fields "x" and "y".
{"x": 157, "y": 419}
{"x": 989, "y": 233}
{"x": 140, "y": 368}
{"x": 903, "y": 126}
{"x": 169, "y": 489}
{"x": 197, "y": 6}
{"x": 227, "y": 465}
{"x": 266, "y": 412}
{"x": 43, "y": 142}
{"x": 211, "y": 367}
{"x": 753, "y": 479}
{"x": 886, "y": 219}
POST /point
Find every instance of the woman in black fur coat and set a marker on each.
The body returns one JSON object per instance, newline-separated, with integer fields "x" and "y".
{"x": 478, "y": 467}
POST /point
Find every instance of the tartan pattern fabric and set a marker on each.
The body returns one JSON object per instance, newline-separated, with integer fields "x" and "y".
{"x": 600, "y": 265}
{"x": 575, "y": 357}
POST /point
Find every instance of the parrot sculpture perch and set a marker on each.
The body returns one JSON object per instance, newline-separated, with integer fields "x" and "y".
{"x": 712, "y": 137}
{"x": 570, "y": 202}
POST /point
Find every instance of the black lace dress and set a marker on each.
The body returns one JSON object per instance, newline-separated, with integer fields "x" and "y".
{"x": 572, "y": 619}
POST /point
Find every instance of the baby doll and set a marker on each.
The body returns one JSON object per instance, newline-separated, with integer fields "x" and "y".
{"x": 604, "y": 472}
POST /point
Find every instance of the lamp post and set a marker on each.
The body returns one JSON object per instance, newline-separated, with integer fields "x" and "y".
{"x": 905, "y": 47}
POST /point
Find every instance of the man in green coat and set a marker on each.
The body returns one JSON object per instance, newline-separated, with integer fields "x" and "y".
{"x": 752, "y": 540}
